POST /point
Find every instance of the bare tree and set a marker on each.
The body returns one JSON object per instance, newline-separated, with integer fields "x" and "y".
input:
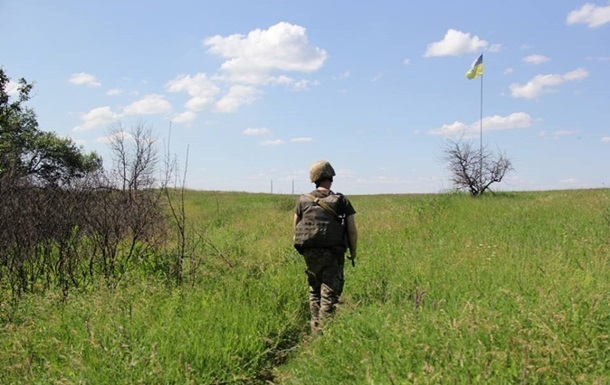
{"x": 128, "y": 218}
{"x": 135, "y": 156}
{"x": 474, "y": 169}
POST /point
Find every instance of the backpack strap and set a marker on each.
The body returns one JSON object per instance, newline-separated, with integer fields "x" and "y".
{"x": 322, "y": 204}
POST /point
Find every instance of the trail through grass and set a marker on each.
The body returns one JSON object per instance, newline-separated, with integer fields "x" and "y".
{"x": 507, "y": 289}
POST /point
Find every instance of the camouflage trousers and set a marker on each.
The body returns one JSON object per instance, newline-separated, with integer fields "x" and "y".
{"x": 325, "y": 278}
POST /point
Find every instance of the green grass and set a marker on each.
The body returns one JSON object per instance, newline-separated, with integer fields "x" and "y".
{"x": 515, "y": 290}
{"x": 448, "y": 289}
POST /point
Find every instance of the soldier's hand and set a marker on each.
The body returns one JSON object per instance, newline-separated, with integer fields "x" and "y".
{"x": 353, "y": 259}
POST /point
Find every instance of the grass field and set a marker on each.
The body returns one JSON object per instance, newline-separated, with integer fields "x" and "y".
{"x": 512, "y": 288}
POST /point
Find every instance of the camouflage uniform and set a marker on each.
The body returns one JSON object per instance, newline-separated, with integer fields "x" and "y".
{"x": 324, "y": 264}
{"x": 324, "y": 276}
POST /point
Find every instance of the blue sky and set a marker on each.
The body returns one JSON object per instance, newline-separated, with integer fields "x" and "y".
{"x": 258, "y": 90}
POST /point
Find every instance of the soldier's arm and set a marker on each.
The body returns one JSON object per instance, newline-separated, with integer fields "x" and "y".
{"x": 296, "y": 220}
{"x": 352, "y": 236}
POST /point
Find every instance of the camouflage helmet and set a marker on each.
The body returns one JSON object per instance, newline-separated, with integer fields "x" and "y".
{"x": 321, "y": 170}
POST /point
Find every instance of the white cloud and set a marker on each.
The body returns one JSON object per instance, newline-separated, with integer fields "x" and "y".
{"x": 252, "y": 58}
{"x": 148, "y": 105}
{"x": 543, "y": 84}
{"x": 578, "y": 74}
{"x": 570, "y": 181}
{"x": 301, "y": 139}
{"x": 455, "y": 43}
{"x": 490, "y": 123}
{"x": 114, "y": 91}
{"x": 283, "y": 79}
{"x": 237, "y": 96}
{"x": 606, "y": 139}
{"x": 199, "y": 87}
{"x": 535, "y": 59}
{"x": 509, "y": 71}
{"x": 262, "y": 57}
{"x": 84, "y": 79}
{"x": 592, "y": 15}
{"x": 12, "y": 88}
{"x": 276, "y": 142}
{"x": 197, "y": 103}
{"x": 304, "y": 84}
{"x": 185, "y": 117}
{"x": 406, "y": 61}
{"x": 256, "y": 131}
{"x": 96, "y": 117}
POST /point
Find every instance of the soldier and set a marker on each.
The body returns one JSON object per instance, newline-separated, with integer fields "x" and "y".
{"x": 324, "y": 228}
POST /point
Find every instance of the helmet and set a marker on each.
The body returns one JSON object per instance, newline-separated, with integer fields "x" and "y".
{"x": 321, "y": 170}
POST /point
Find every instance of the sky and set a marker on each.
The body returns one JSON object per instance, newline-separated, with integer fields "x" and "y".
{"x": 248, "y": 94}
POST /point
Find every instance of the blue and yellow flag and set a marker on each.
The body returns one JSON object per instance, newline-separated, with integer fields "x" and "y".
{"x": 477, "y": 68}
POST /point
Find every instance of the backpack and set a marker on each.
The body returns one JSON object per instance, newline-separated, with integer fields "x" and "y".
{"x": 322, "y": 223}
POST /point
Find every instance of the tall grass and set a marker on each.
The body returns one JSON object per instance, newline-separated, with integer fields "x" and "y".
{"x": 238, "y": 311}
{"x": 448, "y": 289}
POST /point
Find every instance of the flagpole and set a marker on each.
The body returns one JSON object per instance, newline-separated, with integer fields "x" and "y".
{"x": 475, "y": 71}
{"x": 481, "y": 134}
